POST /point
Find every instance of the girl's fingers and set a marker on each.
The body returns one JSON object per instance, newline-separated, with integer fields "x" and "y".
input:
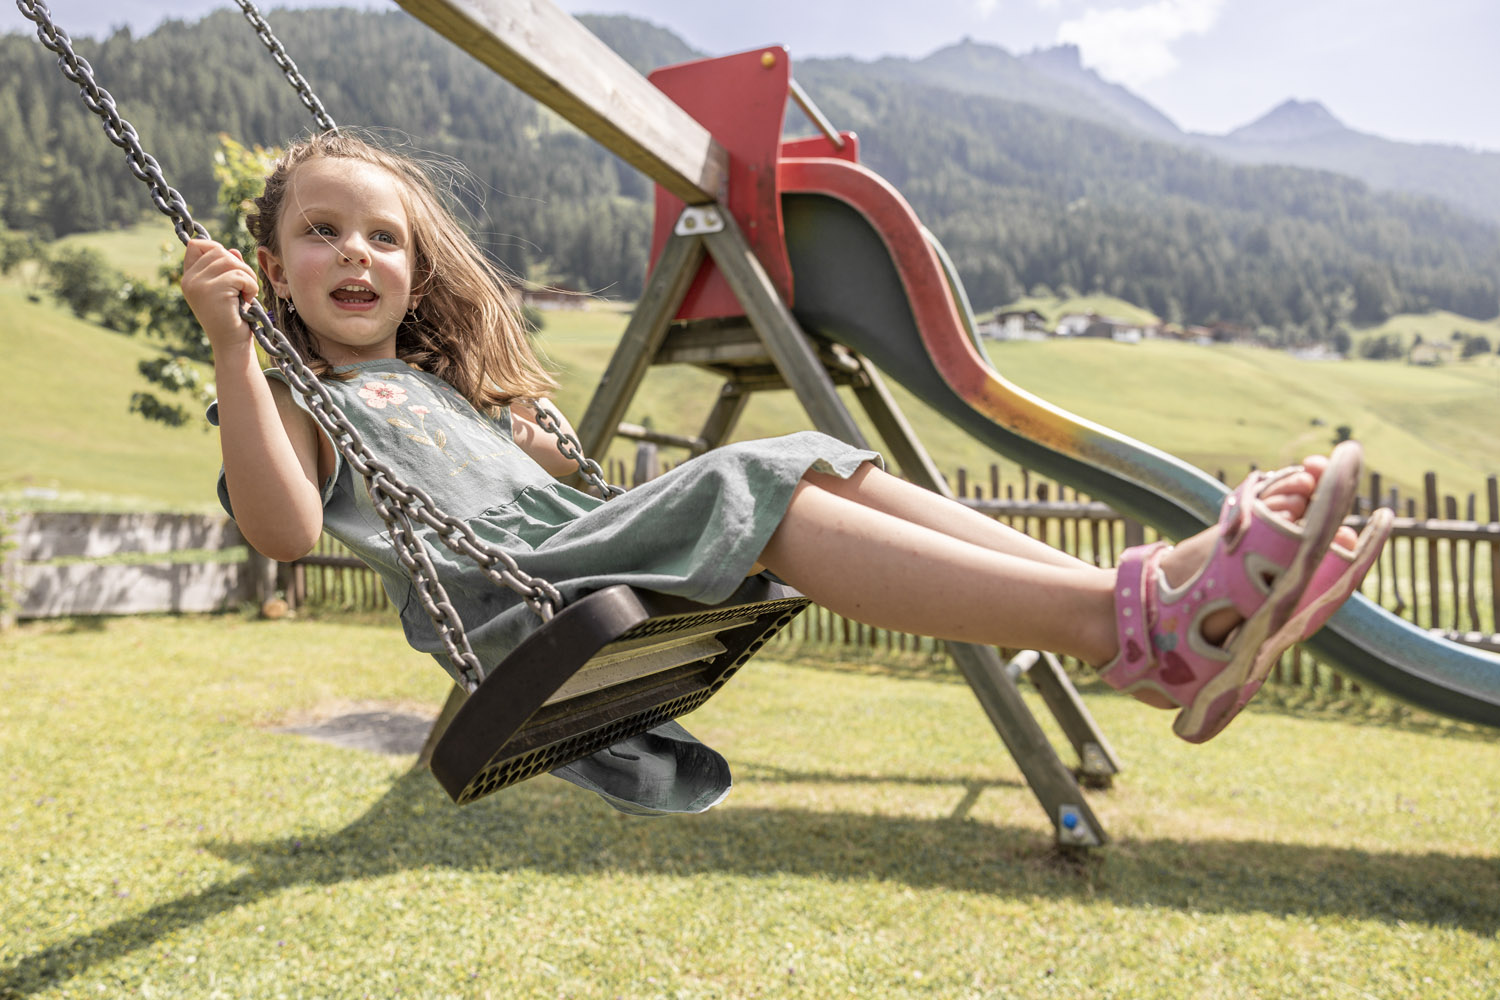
{"x": 217, "y": 283}
{"x": 227, "y": 266}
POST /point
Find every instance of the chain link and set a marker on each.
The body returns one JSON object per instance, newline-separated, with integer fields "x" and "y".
{"x": 288, "y": 68}
{"x": 120, "y": 132}
{"x": 569, "y": 447}
{"x": 395, "y": 502}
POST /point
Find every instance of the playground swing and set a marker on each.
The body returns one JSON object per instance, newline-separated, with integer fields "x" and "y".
{"x": 609, "y": 665}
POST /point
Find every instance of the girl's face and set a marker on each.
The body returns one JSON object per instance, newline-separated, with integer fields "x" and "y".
{"x": 346, "y": 257}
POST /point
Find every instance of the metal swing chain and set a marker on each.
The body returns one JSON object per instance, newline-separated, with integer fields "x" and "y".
{"x": 288, "y": 68}
{"x": 120, "y": 132}
{"x": 570, "y": 447}
{"x": 395, "y": 501}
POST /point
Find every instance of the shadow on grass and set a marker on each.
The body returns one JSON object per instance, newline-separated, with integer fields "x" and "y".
{"x": 532, "y": 827}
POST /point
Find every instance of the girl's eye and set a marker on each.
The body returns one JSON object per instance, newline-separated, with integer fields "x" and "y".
{"x": 385, "y": 238}
{"x": 321, "y": 229}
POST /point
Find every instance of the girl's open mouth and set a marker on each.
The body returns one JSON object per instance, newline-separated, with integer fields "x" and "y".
{"x": 354, "y": 296}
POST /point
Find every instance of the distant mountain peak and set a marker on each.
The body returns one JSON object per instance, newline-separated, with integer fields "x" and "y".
{"x": 967, "y": 48}
{"x": 1064, "y": 64}
{"x": 1290, "y": 121}
{"x": 1058, "y": 57}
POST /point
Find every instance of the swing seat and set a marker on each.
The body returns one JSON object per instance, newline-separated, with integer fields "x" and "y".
{"x": 608, "y": 666}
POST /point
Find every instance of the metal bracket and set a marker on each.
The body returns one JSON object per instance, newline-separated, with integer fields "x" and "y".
{"x": 699, "y": 220}
{"x": 1073, "y": 830}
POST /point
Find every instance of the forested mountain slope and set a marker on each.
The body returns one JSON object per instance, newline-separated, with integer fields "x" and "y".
{"x": 1022, "y": 196}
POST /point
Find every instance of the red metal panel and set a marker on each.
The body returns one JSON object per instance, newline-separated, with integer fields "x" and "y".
{"x": 741, "y": 100}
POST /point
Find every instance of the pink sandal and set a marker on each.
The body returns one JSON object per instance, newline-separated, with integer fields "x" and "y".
{"x": 1262, "y": 565}
{"x": 1335, "y": 580}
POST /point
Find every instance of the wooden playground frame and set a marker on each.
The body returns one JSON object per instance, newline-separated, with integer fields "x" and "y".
{"x": 555, "y": 60}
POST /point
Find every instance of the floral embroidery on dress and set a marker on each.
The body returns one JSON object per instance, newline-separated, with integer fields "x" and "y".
{"x": 426, "y": 426}
{"x": 378, "y": 394}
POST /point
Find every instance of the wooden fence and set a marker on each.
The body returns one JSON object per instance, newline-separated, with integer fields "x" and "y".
{"x": 1441, "y": 570}
{"x": 63, "y": 564}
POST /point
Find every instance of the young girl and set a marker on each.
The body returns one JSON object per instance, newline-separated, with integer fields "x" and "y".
{"x": 414, "y": 334}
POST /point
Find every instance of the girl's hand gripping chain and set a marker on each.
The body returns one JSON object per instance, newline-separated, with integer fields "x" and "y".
{"x": 216, "y": 282}
{"x": 270, "y": 448}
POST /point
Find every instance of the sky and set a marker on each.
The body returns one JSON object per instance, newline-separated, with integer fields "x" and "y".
{"x": 1415, "y": 70}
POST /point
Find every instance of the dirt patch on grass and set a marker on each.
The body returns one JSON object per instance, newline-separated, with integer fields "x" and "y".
{"x": 395, "y": 728}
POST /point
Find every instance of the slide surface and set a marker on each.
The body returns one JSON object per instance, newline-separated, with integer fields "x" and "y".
{"x": 867, "y": 275}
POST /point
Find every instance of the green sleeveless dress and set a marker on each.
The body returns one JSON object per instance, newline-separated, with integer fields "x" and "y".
{"x": 694, "y": 532}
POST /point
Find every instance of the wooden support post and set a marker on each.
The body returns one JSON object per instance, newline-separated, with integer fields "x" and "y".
{"x": 725, "y": 414}
{"x": 551, "y": 57}
{"x": 1096, "y": 758}
{"x": 643, "y": 337}
{"x": 1052, "y": 783}
{"x": 994, "y": 686}
{"x": 890, "y": 423}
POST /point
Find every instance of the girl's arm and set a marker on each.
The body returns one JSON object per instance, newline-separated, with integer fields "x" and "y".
{"x": 540, "y": 444}
{"x": 271, "y": 448}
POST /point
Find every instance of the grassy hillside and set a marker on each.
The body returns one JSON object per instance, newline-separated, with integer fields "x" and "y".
{"x": 1438, "y": 326}
{"x": 68, "y": 439}
{"x": 1224, "y": 407}
{"x": 71, "y": 441}
{"x": 138, "y": 251}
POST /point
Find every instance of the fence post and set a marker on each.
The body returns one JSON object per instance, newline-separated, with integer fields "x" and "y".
{"x": 1434, "y": 581}
{"x": 11, "y": 529}
{"x": 647, "y": 463}
{"x": 1492, "y": 498}
{"x": 263, "y": 573}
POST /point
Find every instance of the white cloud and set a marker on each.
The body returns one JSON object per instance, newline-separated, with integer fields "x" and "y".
{"x": 1133, "y": 45}
{"x": 984, "y": 8}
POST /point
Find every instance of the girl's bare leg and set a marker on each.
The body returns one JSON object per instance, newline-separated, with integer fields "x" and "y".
{"x": 879, "y": 550}
{"x": 894, "y": 573}
{"x": 874, "y": 488}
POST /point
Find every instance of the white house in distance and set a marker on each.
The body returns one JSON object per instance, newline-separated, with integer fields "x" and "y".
{"x": 1015, "y": 324}
{"x": 1073, "y": 324}
{"x": 1102, "y": 327}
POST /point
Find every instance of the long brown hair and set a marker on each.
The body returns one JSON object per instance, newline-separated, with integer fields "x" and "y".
{"x": 468, "y": 330}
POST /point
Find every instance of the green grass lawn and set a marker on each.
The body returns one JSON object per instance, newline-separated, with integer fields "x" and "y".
{"x": 159, "y": 837}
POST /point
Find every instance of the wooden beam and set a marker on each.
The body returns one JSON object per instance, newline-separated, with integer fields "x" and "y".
{"x": 542, "y": 50}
